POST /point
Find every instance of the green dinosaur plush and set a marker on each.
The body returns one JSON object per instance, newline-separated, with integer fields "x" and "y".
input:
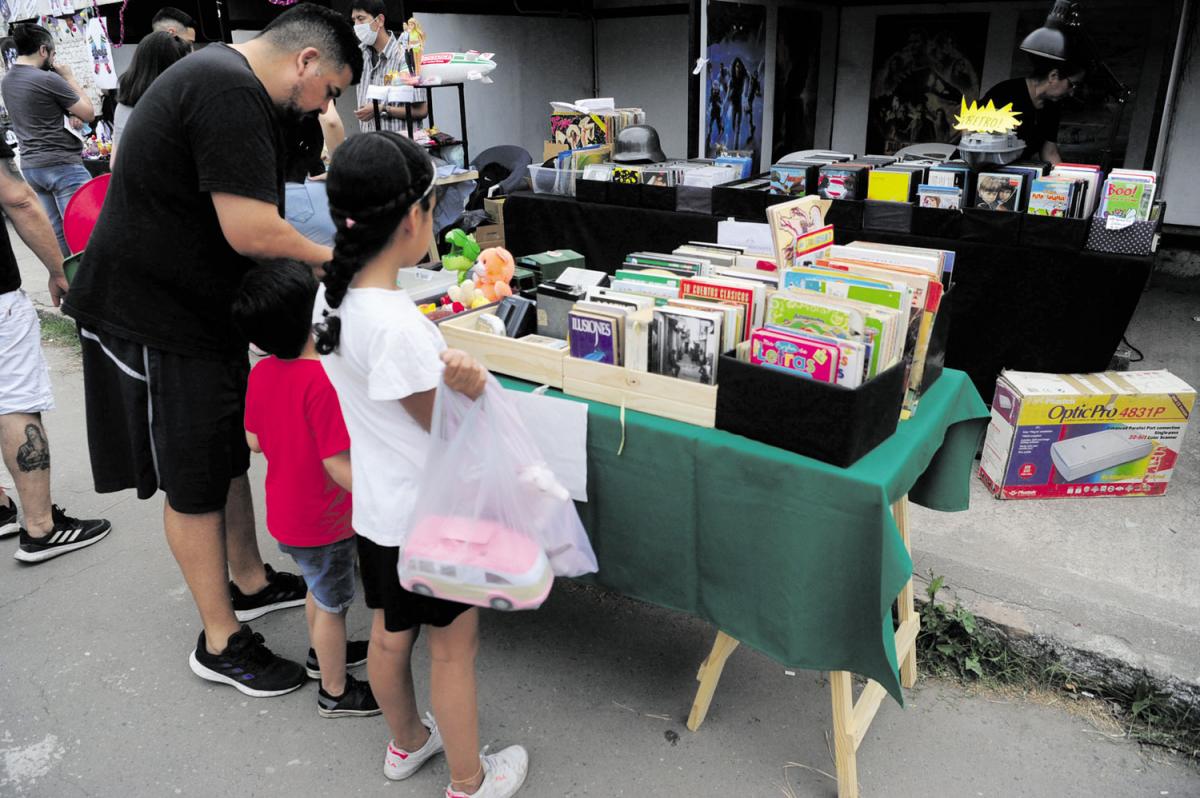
{"x": 463, "y": 253}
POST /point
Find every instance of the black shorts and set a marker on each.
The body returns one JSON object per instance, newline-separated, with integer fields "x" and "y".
{"x": 402, "y": 609}
{"x": 163, "y": 421}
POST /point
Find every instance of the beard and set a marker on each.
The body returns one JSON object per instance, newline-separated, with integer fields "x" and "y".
{"x": 290, "y": 112}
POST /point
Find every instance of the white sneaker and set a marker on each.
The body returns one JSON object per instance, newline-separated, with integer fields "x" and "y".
{"x": 400, "y": 764}
{"x": 503, "y": 775}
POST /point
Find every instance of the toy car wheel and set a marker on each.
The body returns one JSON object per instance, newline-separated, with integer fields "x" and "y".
{"x": 421, "y": 589}
{"x": 501, "y": 604}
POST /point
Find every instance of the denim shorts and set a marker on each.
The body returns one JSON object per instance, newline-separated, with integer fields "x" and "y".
{"x": 329, "y": 572}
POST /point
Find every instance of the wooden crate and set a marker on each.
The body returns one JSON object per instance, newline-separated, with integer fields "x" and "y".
{"x": 502, "y": 355}
{"x": 669, "y": 397}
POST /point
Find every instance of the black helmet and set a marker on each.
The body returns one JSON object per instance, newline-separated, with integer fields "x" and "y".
{"x": 638, "y": 144}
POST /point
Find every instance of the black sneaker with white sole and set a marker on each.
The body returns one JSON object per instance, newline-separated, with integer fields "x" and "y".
{"x": 248, "y": 665}
{"x": 283, "y": 590}
{"x": 356, "y": 654}
{"x": 356, "y": 701}
{"x": 69, "y": 534}
{"x": 9, "y": 525}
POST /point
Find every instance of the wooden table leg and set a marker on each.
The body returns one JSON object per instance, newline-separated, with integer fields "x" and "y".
{"x": 845, "y": 752}
{"x": 708, "y": 676}
{"x": 910, "y": 621}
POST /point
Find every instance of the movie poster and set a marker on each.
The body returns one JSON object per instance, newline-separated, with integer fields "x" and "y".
{"x": 797, "y": 61}
{"x": 737, "y": 46}
{"x": 1086, "y": 116}
{"x": 924, "y": 65}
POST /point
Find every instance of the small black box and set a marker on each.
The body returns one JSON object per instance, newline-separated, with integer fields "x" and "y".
{"x": 830, "y": 423}
{"x": 592, "y": 190}
{"x": 991, "y": 227}
{"x": 937, "y": 222}
{"x": 892, "y": 217}
{"x": 1053, "y": 232}
{"x": 845, "y": 215}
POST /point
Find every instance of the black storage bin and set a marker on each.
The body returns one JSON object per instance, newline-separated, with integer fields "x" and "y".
{"x": 892, "y": 217}
{"x": 694, "y": 199}
{"x": 935, "y": 356}
{"x": 937, "y": 222}
{"x": 628, "y": 195}
{"x": 830, "y": 423}
{"x": 747, "y": 204}
{"x": 1137, "y": 239}
{"x": 591, "y": 190}
{"x": 657, "y": 198}
{"x": 845, "y": 215}
{"x": 1054, "y": 232}
{"x": 991, "y": 227}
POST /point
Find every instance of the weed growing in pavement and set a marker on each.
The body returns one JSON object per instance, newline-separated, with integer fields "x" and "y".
{"x": 59, "y": 330}
{"x": 954, "y": 643}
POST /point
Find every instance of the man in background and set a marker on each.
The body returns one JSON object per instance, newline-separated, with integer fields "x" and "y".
{"x": 175, "y": 22}
{"x": 382, "y": 54}
{"x": 42, "y": 97}
{"x": 1037, "y": 97}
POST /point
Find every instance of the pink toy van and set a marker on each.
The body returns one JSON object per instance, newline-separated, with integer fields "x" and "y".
{"x": 475, "y": 561}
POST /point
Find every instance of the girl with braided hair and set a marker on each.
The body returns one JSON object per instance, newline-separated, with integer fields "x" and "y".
{"x": 386, "y": 361}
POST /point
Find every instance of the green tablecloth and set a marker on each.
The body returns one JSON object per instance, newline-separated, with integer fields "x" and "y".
{"x": 799, "y": 559}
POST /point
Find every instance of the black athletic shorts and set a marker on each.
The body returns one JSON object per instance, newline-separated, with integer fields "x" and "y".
{"x": 159, "y": 420}
{"x": 402, "y": 609}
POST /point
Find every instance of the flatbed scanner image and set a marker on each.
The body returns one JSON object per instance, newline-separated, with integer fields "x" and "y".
{"x": 1076, "y": 458}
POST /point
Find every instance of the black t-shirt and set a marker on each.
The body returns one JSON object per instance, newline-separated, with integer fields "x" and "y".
{"x": 305, "y": 141}
{"x": 158, "y": 269}
{"x": 1038, "y": 125}
{"x": 10, "y": 275}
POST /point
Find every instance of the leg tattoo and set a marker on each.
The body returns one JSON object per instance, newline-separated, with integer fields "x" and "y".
{"x": 34, "y": 454}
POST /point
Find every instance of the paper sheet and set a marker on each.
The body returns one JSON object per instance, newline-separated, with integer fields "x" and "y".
{"x": 752, "y": 236}
{"x": 559, "y": 428}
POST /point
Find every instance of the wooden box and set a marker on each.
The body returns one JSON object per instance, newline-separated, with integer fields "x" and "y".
{"x": 509, "y": 356}
{"x": 669, "y": 397}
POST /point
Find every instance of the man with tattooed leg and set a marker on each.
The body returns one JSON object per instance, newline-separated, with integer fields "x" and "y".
{"x": 25, "y": 384}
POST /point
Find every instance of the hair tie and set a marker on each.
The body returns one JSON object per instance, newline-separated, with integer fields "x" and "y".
{"x": 350, "y": 223}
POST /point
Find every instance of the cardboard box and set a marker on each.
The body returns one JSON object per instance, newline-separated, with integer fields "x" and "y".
{"x": 495, "y": 210}
{"x": 1084, "y": 435}
{"x": 489, "y": 235}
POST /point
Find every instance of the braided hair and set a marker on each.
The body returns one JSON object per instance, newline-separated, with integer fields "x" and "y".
{"x": 374, "y": 181}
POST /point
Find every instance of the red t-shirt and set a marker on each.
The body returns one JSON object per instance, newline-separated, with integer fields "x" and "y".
{"x": 294, "y": 411}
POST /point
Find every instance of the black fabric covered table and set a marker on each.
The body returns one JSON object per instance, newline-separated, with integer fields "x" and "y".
{"x": 1016, "y": 305}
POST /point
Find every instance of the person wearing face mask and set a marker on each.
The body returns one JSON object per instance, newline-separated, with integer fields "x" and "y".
{"x": 196, "y": 197}
{"x": 42, "y": 96}
{"x": 1037, "y": 98}
{"x": 382, "y": 54}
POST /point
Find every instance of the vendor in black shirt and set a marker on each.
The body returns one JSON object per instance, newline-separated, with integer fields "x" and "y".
{"x": 1036, "y": 98}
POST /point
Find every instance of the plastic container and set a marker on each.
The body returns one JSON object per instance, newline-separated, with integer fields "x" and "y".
{"x": 561, "y": 182}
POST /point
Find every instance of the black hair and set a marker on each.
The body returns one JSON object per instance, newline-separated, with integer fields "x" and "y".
{"x": 273, "y": 307}
{"x": 154, "y": 54}
{"x": 310, "y": 25}
{"x": 29, "y": 37}
{"x": 372, "y": 7}
{"x": 374, "y": 181}
{"x": 167, "y": 15}
{"x": 1042, "y": 67}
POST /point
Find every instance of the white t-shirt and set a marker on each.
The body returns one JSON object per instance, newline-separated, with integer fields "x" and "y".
{"x": 387, "y": 351}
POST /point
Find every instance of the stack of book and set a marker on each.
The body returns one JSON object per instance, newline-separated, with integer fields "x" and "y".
{"x": 590, "y": 121}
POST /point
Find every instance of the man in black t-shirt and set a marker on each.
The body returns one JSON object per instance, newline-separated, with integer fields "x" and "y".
{"x": 196, "y": 196}
{"x": 1037, "y": 98}
{"x": 25, "y": 384}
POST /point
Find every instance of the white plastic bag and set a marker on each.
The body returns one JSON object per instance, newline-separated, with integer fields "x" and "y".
{"x": 492, "y": 525}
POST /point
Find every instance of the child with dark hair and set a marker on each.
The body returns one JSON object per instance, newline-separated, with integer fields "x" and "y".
{"x": 154, "y": 54}
{"x": 388, "y": 362}
{"x": 293, "y": 417}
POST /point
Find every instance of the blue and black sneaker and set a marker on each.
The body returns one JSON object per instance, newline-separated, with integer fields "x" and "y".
{"x": 247, "y": 664}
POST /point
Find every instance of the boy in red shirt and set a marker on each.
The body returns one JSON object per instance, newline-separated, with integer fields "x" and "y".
{"x": 293, "y": 417}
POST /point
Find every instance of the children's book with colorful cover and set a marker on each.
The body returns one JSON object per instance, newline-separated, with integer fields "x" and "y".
{"x": 815, "y": 314}
{"x": 1127, "y": 198}
{"x": 791, "y": 221}
{"x": 1050, "y": 196}
{"x": 944, "y": 197}
{"x": 853, "y": 358}
{"x": 893, "y": 295}
{"x": 795, "y": 354}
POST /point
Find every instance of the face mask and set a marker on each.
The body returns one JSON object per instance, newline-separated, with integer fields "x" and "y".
{"x": 365, "y": 34}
